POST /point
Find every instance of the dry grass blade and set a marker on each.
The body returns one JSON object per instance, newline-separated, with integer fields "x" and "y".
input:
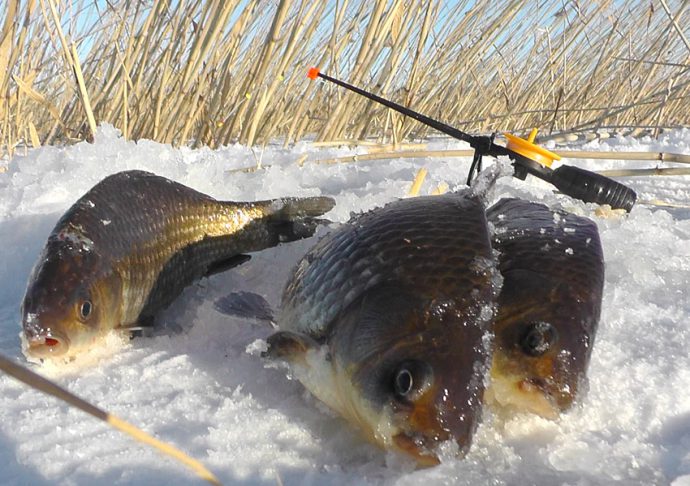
{"x": 660, "y": 156}
{"x": 417, "y": 183}
{"x": 655, "y": 171}
{"x": 7, "y": 35}
{"x": 414, "y": 154}
{"x": 370, "y": 145}
{"x": 663, "y": 204}
{"x": 29, "y": 91}
{"x": 36, "y": 381}
{"x": 566, "y": 154}
{"x": 35, "y": 141}
{"x": 674, "y": 22}
{"x": 76, "y": 66}
{"x": 442, "y": 188}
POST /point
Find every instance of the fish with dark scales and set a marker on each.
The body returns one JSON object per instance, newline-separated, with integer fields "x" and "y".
{"x": 553, "y": 270}
{"x": 399, "y": 319}
{"x": 387, "y": 320}
{"x": 131, "y": 244}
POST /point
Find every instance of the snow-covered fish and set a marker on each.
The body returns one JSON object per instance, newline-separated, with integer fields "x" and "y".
{"x": 386, "y": 321}
{"x": 131, "y": 244}
{"x": 553, "y": 277}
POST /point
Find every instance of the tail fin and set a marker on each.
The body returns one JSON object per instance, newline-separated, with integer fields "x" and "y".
{"x": 291, "y": 208}
{"x": 293, "y": 218}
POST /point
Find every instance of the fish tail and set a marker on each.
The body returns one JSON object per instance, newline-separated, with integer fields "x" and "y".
{"x": 290, "y": 219}
{"x": 292, "y": 208}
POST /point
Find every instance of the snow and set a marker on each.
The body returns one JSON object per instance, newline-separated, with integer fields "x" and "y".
{"x": 200, "y": 385}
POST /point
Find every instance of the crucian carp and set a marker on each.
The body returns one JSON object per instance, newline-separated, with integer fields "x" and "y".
{"x": 130, "y": 245}
{"x": 548, "y": 310}
{"x": 398, "y": 319}
{"x": 392, "y": 320}
{"x": 387, "y": 320}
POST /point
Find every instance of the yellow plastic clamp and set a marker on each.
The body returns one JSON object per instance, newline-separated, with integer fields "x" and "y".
{"x": 530, "y": 149}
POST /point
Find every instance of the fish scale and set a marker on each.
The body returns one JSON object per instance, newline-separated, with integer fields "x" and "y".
{"x": 567, "y": 250}
{"x": 429, "y": 230}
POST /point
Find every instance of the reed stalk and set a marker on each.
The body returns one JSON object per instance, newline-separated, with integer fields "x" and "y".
{"x": 219, "y": 72}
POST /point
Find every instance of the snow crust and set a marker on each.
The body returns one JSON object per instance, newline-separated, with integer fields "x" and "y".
{"x": 199, "y": 384}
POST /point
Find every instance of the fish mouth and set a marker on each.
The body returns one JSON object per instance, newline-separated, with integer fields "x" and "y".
{"x": 531, "y": 395}
{"x": 544, "y": 402}
{"x": 47, "y": 344}
{"x": 414, "y": 445}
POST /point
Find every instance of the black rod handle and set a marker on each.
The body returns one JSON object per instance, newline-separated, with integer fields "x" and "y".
{"x": 591, "y": 187}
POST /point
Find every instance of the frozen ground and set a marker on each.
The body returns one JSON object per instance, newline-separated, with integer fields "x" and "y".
{"x": 195, "y": 385}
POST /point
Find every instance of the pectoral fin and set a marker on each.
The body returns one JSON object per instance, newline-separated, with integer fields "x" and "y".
{"x": 245, "y": 305}
{"x": 289, "y": 346}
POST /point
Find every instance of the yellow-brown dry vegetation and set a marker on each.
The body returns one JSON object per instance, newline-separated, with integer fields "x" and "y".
{"x": 216, "y": 72}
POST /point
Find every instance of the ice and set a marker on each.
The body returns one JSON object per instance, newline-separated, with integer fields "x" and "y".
{"x": 194, "y": 384}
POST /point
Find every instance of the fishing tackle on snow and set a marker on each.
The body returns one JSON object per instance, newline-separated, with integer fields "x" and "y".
{"x": 527, "y": 157}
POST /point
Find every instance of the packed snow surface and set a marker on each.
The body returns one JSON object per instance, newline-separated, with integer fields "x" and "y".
{"x": 200, "y": 385}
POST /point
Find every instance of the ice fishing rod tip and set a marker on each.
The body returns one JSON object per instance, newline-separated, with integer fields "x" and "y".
{"x": 313, "y": 73}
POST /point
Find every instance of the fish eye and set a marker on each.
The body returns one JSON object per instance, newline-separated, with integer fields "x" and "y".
{"x": 403, "y": 382}
{"x": 85, "y": 309}
{"x": 538, "y": 338}
{"x": 410, "y": 379}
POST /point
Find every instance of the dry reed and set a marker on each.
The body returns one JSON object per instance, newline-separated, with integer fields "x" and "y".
{"x": 212, "y": 73}
{"x": 566, "y": 154}
{"x": 48, "y": 387}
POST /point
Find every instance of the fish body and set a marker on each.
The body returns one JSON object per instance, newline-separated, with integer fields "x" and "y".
{"x": 386, "y": 320}
{"x": 131, "y": 244}
{"x": 548, "y": 310}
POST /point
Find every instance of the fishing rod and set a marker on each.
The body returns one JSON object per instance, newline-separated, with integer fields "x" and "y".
{"x": 527, "y": 157}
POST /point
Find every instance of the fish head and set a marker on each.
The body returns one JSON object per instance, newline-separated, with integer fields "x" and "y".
{"x": 70, "y": 300}
{"x": 410, "y": 371}
{"x": 402, "y": 300}
{"x": 544, "y": 333}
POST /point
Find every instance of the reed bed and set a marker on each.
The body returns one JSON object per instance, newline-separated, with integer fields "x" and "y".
{"x": 193, "y": 72}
